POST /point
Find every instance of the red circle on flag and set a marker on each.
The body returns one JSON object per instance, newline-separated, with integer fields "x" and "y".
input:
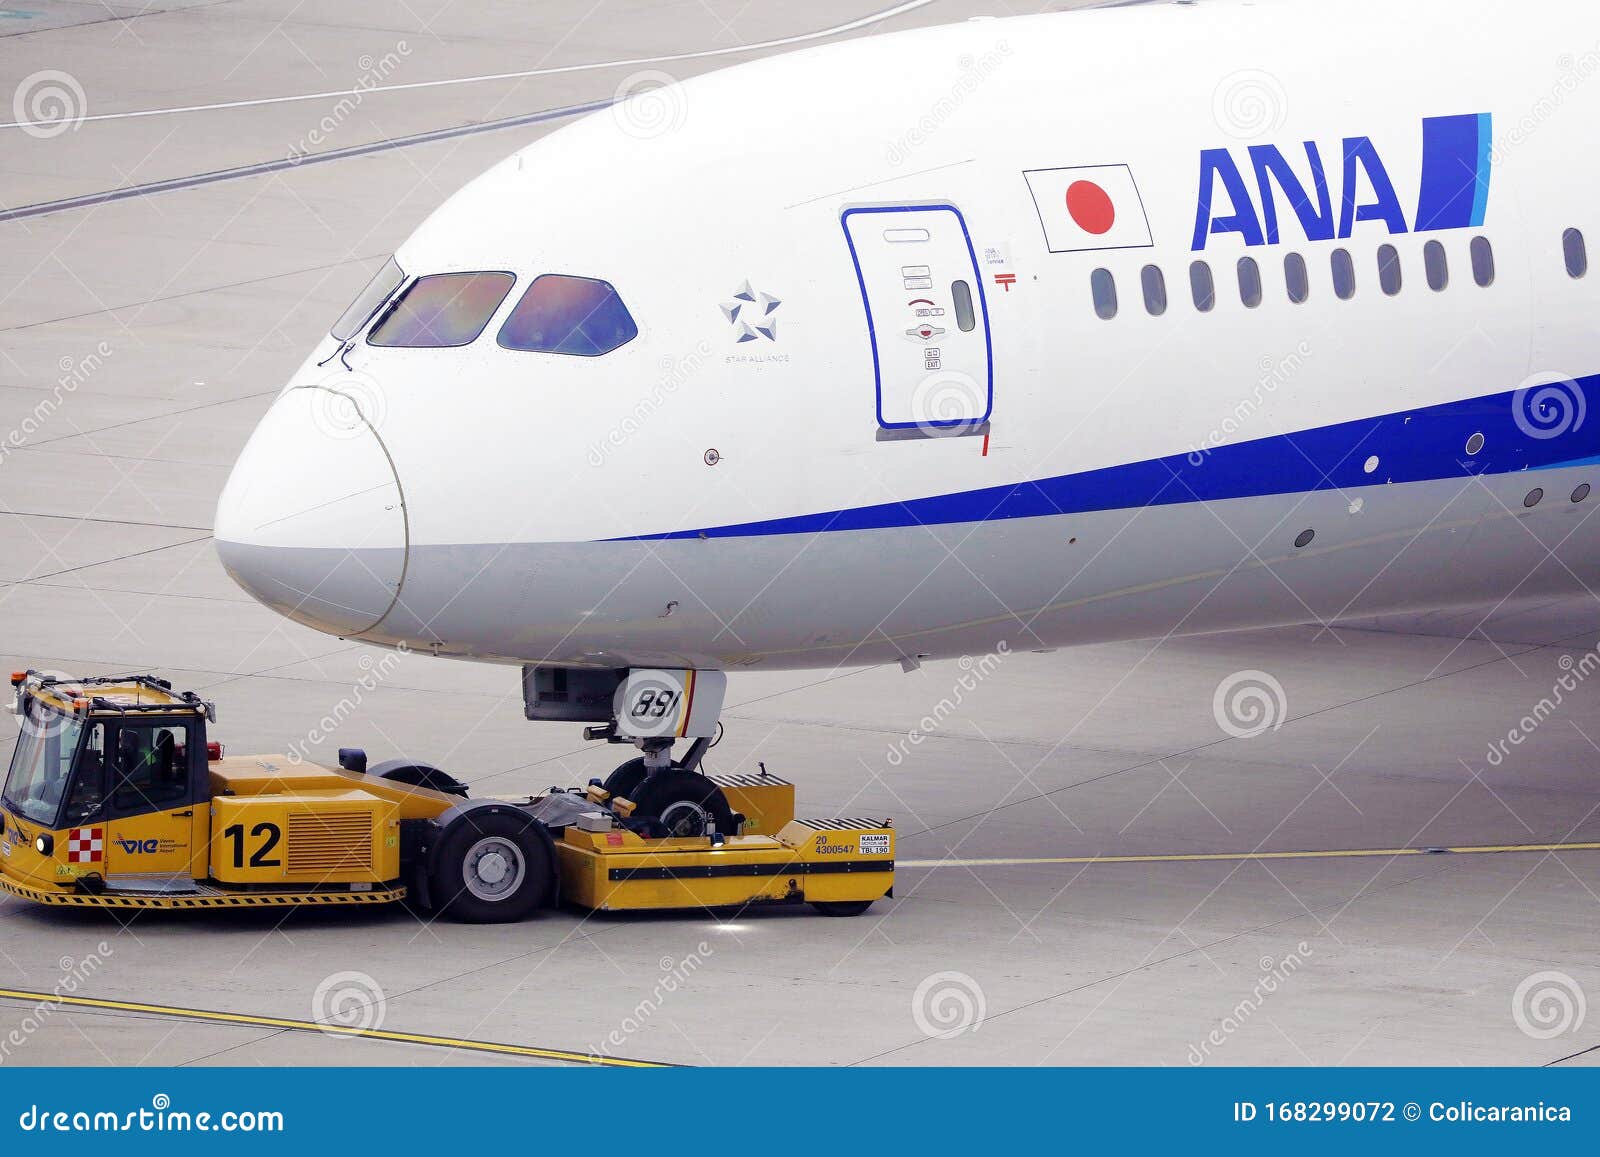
{"x": 1090, "y": 207}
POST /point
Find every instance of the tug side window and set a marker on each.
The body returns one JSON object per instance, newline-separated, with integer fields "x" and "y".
{"x": 89, "y": 782}
{"x": 148, "y": 767}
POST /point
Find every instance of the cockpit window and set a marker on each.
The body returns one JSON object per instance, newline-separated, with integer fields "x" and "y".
{"x": 568, "y": 315}
{"x": 446, "y": 309}
{"x": 378, "y": 290}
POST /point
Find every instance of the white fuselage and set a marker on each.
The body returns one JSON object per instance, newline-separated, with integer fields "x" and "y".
{"x": 797, "y": 477}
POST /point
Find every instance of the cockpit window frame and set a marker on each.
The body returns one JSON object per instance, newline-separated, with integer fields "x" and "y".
{"x": 377, "y": 321}
{"x": 373, "y": 301}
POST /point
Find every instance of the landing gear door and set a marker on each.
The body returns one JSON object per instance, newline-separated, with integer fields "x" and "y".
{"x": 926, "y": 316}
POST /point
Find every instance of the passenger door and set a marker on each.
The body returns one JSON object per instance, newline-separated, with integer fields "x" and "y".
{"x": 926, "y": 318}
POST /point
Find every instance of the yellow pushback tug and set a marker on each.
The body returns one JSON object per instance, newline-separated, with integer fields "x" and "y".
{"x": 116, "y": 798}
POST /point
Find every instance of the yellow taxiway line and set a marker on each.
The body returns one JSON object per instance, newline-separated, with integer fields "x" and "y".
{"x": 1200, "y": 857}
{"x": 201, "y": 1014}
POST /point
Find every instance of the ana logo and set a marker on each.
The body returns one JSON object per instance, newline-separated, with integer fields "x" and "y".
{"x": 1452, "y": 188}
{"x": 136, "y": 847}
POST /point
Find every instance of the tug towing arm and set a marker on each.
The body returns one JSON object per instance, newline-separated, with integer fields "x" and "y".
{"x": 116, "y": 797}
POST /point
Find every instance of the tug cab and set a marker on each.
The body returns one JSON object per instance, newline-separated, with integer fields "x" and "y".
{"x": 113, "y": 776}
{"x": 117, "y": 798}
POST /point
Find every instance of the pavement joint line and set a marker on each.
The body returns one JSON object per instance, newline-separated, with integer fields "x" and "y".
{"x": 253, "y": 1021}
{"x": 281, "y": 164}
{"x": 1229, "y": 857}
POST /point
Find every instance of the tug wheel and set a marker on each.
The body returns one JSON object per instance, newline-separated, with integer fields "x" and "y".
{"x": 841, "y": 907}
{"x": 490, "y": 869}
{"x": 683, "y": 801}
{"x": 626, "y": 779}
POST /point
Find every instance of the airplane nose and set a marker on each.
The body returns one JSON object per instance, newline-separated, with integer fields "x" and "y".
{"x": 312, "y": 521}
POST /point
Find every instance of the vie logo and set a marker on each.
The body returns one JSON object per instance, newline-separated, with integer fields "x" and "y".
{"x": 136, "y": 847}
{"x": 1453, "y": 186}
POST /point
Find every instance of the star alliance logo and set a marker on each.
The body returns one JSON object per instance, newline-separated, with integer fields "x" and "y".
{"x": 752, "y": 314}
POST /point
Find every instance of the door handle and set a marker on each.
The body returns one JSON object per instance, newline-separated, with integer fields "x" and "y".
{"x": 183, "y": 815}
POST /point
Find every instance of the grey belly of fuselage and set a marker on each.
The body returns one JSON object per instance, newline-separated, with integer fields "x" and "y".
{"x": 855, "y": 597}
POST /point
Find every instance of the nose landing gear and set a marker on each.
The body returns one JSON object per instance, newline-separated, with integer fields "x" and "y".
{"x": 660, "y": 833}
{"x": 652, "y": 710}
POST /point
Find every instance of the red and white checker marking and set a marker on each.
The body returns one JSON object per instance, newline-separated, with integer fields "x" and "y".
{"x": 86, "y": 845}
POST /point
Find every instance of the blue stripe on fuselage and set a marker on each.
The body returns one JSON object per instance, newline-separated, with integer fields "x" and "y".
{"x": 1410, "y": 445}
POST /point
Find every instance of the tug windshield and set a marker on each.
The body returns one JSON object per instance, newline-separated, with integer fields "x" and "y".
{"x": 41, "y": 763}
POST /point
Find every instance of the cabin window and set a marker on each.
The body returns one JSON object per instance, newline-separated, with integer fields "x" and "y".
{"x": 1155, "y": 290}
{"x": 446, "y": 309}
{"x": 1389, "y": 279}
{"x": 1482, "y": 261}
{"x": 378, "y": 290}
{"x": 1296, "y": 278}
{"x": 961, "y": 297}
{"x": 1437, "y": 265}
{"x": 1344, "y": 274}
{"x": 1249, "y": 282}
{"x": 1202, "y": 287}
{"x": 1103, "y": 287}
{"x": 581, "y": 316}
{"x": 1576, "y": 252}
